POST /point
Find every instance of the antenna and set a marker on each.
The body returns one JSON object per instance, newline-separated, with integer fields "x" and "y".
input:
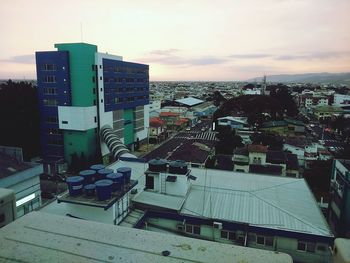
{"x": 81, "y": 31}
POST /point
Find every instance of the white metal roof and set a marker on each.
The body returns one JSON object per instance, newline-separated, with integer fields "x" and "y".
{"x": 267, "y": 201}
{"x": 190, "y": 101}
{"x": 41, "y": 237}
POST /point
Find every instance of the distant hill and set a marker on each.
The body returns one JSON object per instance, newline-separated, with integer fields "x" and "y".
{"x": 308, "y": 78}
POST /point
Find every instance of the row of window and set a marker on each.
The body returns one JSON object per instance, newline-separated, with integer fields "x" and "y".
{"x": 48, "y": 67}
{"x": 258, "y": 239}
{"x": 52, "y": 119}
{"x": 50, "y": 102}
{"x": 49, "y": 79}
{"x": 127, "y": 80}
{"x": 125, "y": 70}
{"x": 128, "y": 99}
{"x": 50, "y": 91}
{"x": 129, "y": 89}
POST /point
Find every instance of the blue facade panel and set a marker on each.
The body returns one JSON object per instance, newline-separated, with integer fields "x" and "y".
{"x": 54, "y": 90}
{"x": 126, "y": 84}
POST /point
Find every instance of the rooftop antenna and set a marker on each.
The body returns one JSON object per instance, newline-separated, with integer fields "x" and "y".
{"x": 81, "y": 31}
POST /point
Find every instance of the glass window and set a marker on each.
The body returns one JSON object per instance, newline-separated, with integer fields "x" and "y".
{"x": 224, "y": 234}
{"x": 301, "y": 246}
{"x": 311, "y": 247}
{"x": 269, "y": 241}
{"x": 260, "y": 240}
{"x": 232, "y": 235}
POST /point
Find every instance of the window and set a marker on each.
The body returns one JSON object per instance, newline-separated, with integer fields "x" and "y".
{"x": 49, "y": 67}
{"x": 306, "y": 246}
{"x": 94, "y": 91}
{"x": 50, "y": 91}
{"x": 50, "y": 102}
{"x": 265, "y": 241}
{"x": 49, "y": 79}
{"x": 64, "y": 122}
{"x": 193, "y": 229}
{"x": 95, "y": 119}
{"x": 228, "y": 235}
{"x": 51, "y": 119}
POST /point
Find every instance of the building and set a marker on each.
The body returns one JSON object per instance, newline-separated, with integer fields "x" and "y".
{"x": 81, "y": 91}
{"x": 327, "y": 112}
{"x": 286, "y": 127}
{"x": 42, "y": 237}
{"x": 259, "y": 160}
{"x": 266, "y": 212}
{"x": 339, "y": 205}
{"x": 233, "y": 122}
{"x": 23, "y": 179}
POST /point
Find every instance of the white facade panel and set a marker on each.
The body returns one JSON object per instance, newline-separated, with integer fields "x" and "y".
{"x": 77, "y": 118}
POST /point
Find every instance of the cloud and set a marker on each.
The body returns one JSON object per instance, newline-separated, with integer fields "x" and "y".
{"x": 164, "y": 52}
{"x": 167, "y": 57}
{"x": 250, "y": 56}
{"x": 23, "y": 59}
{"x": 315, "y": 55}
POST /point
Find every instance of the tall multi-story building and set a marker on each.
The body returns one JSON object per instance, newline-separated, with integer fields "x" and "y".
{"x": 339, "y": 205}
{"x": 82, "y": 91}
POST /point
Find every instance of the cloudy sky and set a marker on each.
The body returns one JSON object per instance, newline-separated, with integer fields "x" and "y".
{"x": 184, "y": 39}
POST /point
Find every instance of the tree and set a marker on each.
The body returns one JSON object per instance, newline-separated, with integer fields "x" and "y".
{"x": 228, "y": 140}
{"x": 19, "y": 115}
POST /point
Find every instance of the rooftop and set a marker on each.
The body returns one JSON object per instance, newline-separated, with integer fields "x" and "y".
{"x": 9, "y": 166}
{"x": 190, "y": 101}
{"x": 267, "y": 201}
{"x": 168, "y": 114}
{"x": 41, "y": 237}
{"x": 257, "y": 148}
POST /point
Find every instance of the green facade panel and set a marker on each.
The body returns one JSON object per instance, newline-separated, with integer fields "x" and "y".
{"x": 81, "y": 61}
{"x": 128, "y": 126}
{"x": 83, "y": 94}
{"x": 80, "y": 143}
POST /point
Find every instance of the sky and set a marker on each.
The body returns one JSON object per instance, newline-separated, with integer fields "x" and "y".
{"x": 195, "y": 40}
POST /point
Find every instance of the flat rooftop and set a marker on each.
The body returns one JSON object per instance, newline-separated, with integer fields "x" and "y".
{"x": 41, "y": 237}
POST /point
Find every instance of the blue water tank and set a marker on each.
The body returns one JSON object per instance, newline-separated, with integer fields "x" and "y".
{"x": 178, "y": 167}
{"x": 103, "y": 173}
{"x": 89, "y": 176}
{"x": 126, "y": 171}
{"x": 89, "y": 190}
{"x": 117, "y": 179}
{"x": 104, "y": 189}
{"x": 97, "y": 167}
{"x": 75, "y": 185}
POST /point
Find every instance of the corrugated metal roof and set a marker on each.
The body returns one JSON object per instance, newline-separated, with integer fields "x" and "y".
{"x": 190, "y": 101}
{"x": 267, "y": 201}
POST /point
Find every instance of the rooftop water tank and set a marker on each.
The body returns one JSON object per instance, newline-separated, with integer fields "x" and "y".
{"x": 104, "y": 189}
{"x": 118, "y": 180}
{"x": 97, "y": 167}
{"x": 178, "y": 167}
{"x": 157, "y": 165}
{"x": 89, "y": 176}
{"x": 89, "y": 190}
{"x": 75, "y": 185}
{"x": 103, "y": 173}
{"x": 126, "y": 172}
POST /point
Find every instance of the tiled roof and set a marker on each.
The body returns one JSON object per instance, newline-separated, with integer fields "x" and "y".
{"x": 257, "y": 148}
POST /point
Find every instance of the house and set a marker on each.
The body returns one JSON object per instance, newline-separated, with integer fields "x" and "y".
{"x": 286, "y": 127}
{"x": 24, "y": 179}
{"x": 327, "y": 112}
{"x": 233, "y": 122}
{"x": 157, "y": 131}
